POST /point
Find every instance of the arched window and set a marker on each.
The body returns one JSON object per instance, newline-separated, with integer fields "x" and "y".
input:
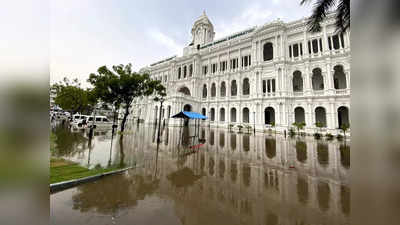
{"x": 184, "y": 71}
{"x": 213, "y": 90}
{"x": 320, "y": 116}
{"x": 233, "y": 88}
{"x": 246, "y": 86}
{"x": 297, "y": 81}
{"x": 179, "y": 73}
{"x": 233, "y": 115}
{"x": 222, "y": 115}
{"x": 339, "y": 78}
{"x": 204, "y": 91}
{"x": 190, "y": 70}
{"x": 317, "y": 79}
{"x": 212, "y": 114}
{"x": 223, "y": 89}
{"x": 184, "y": 90}
{"x": 246, "y": 115}
{"x": 299, "y": 115}
{"x": 268, "y": 51}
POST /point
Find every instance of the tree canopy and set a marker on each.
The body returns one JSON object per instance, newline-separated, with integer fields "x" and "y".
{"x": 120, "y": 86}
{"x": 72, "y": 97}
{"x": 323, "y": 7}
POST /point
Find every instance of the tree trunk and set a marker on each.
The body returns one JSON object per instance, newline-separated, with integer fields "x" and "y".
{"x": 124, "y": 119}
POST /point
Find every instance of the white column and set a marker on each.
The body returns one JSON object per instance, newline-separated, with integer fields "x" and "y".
{"x": 275, "y": 48}
{"x": 305, "y": 49}
{"x": 325, "y": 45}
{"x": 282, "y": 47}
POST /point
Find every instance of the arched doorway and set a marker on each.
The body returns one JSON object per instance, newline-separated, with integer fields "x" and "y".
{"x": 269, "y": 115}
{"x": 299, "y": 115}
{"x": 203, "y": 111}
{"x": 187, "y": 108}
{"x": 320, "y": 116}
{"x": 246, "y": 115}
{"x": 343, "y": 116}
{"x": 233, "y": 115}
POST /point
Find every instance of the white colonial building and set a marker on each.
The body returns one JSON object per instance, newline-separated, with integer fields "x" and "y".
{"x": 278, "y": 73}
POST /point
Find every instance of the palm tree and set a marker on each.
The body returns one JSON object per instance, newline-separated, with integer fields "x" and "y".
{"x": 323, "y": 7}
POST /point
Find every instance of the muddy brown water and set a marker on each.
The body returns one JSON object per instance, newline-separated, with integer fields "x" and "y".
{"x": 223, "y": 178}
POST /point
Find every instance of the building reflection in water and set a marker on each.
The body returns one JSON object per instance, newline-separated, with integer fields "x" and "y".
{"x": 243, "y": 179}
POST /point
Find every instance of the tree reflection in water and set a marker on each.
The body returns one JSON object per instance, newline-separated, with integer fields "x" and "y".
{"x": 113, "y": 193}
{"x": 69, "y": 143}
{"x": 183, "y": 177}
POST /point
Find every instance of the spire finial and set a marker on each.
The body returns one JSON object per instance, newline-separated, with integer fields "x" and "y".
{"x": 204, "y": 12}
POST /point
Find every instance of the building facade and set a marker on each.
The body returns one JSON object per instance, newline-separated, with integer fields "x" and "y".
{"x": 271, "y": 75}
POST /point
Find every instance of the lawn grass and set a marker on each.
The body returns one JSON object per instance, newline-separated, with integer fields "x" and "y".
{"x": 63, "y": 170}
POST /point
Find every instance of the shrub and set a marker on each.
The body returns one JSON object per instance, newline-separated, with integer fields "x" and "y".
{"x": 329, "y": 136}
{"x": 291, "y": 132}
{"x": 339, "y": 137}
{"x": 317, "y": 135}
{"x": 240, "y": 128}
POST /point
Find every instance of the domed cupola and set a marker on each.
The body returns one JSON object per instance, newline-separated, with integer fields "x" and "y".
{"x": 202, "y": 31}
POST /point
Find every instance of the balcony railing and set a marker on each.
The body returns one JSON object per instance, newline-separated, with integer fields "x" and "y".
{"x": 341, "y": 91}
{"x": 297, "y": 93}
{"x": 318, "y": 92}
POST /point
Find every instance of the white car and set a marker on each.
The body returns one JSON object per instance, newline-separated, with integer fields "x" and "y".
{"x": 100, "y": 121}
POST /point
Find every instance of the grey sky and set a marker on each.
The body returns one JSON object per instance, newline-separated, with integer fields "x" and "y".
{"x": 88, "y": 34}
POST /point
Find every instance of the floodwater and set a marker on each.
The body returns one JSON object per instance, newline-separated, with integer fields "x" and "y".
{"x": 223, "y": 178}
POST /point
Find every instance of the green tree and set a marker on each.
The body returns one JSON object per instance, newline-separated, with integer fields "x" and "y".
{"x": 121, "y": 85}
{"x": 323, "y": 7}
{"x": 299, "y": 126}
{"x": 344, "y": 127}
{"x": 72, "y": 97}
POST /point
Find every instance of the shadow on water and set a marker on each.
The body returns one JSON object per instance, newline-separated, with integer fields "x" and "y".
{"x": 217, "y": 178}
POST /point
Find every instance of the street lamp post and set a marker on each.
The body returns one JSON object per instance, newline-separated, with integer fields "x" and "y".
{"x": 254, "y": 119}
{"x": 159, "y": 120}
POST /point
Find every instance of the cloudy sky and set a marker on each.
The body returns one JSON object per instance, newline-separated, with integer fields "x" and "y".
{"x": 86, "y": 34}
